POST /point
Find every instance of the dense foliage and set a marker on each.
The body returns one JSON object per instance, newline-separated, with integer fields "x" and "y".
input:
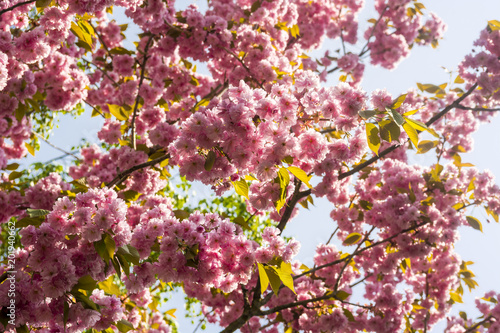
{"x": 98, "y": 246}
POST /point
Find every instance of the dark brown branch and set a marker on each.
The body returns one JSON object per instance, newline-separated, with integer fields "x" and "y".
{"x": 290, "y": 205}
{"x": 124, "y": 175}
{"x": 141, "y": 80}
{"x": 431, "y": 121}
{"x": 461, "y": 107}
{"x": 3, "y": 11}
{"x": 484, "y": 321}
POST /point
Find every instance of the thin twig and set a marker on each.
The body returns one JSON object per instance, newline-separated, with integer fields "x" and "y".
{"x": 364, "y": 49}
{"x": 312, "y": 270}
{"x": 243, "y": 64}
{"x": 136, "y": 105}
{"x": 56, "y": 147}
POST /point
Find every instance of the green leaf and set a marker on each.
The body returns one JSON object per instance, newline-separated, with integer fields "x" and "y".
{"x": 22, "y": 329}
{"x": 86, "y": 282}
{"x": 85, "y": 300}
{"x": 398, "y": 101}
{"x": 372, "y": 137}
{"x": 264, "y": 279}
{"x": 123, "y": 263}
{"x": 342, "y": 295}
{"x": 37, "y": 212}
{"x": 12, "y": 166}
{"x": 241, "y": 187}
{"x": 15, "y": 174}
{"x": 349, "y": 315}
{"x": 110, "y": 245}
{"x": 426, "y": 145}
{"x": 26, "y": 221}
{"x": 412, "y": 134}
{"x": 109, "y": 287}
{"x": 389, "y": 130}
{"x": 131, "y": 195}
{"x": 209, "y": 162}
{"x": 300, "y": 174}
{"x": 396, "y": 116}
{"x": 352, "y": 238}
{"x": 367, "y": 113}
{"x": 124, "y": 326}
{"x": 20, "y": 112}
{"x": 473, "y": 222}
{"x": 120, "y": 50}
{"x": 42, "y": 3}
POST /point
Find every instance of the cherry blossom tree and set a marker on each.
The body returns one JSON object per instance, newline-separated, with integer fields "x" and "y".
{"x": 96, "y": 247}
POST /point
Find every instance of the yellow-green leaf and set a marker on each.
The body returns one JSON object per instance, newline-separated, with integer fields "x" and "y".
{"x": 241, "y": 187}
{"x": 494, "y": 25}
{"x": 352, "y": 238}
{"x": 372, "y": 137}
{"x": 119, "y": 112}
{"x": 412, "y": 133}
{"x": 459, "y": 80}
{"x": 426, "y": 145}
{"x": 285, "y": 275}
{"x": 342, "y": 295}
{"x": 171, "y": 312}
{"x": 398, "y": 101}
{"x": 30, "y": 148}
{"x": 456, "y": 297}
{"x": 473, "y": 222}
{"x": 264, "y": 279}
{"x": 209, "y": 161}
{"x": 295, "y": 31}
{"x": 389, "y": 130}
{"x": 300, "y": 174}
{"x": 109, "y": 287}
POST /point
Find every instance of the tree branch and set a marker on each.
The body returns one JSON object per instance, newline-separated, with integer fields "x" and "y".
{"x": 431, "y": 121}
{"x": 124, "y": 175}
{"x": 484, "y": 321}
{"x": 461, "y": 107}
{"x": 141, "y": 80}
{"x": 290, "y": 205}
{"x": 56, "y": 147}
{"x": 3, "y": 11}
{"x": 312, "y": 270}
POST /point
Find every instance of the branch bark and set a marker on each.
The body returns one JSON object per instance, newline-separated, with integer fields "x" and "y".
{"x": 141, "y": 80}
{"x": 3, "y": 11}
{"x": 122, "y": 176}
